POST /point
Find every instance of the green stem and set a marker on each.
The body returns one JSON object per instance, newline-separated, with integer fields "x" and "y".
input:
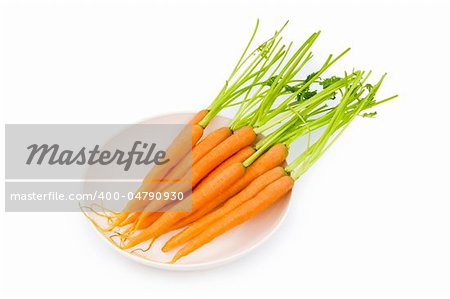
{"x": 287, "y": 73}
{"x": 320, "y": 97}
{"x": 343, "y": 115}
{"x": 249, "y": 73}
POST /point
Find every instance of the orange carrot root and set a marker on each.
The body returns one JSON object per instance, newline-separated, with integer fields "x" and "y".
{"x": 238, "y": 140}
{"x": 176, "y": 151}
{"x": 198, "y": 117}
{"x": 275, "y": 156}
{"x": 209, "y": 142}
{"x": 264, "y": 199}
{"x": 198, "y": 198}
{"x": 202, "y": 224}
{"x": 239, "y": 157}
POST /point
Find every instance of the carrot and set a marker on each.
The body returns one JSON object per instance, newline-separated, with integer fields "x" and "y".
{"x": 198, "y": 117}
{"x": 198, "y": 198}
{"x": 209, "y": 142}
{"x": 131, "y": 219}
{"x": 249, "y": 113}
{"x": 249, "y": 176}
{"x": 356, "y": 97}
{"x": 270, "y": 159}
{"x": 148, "y": 220}
{"x": 238, "y": 157}
{"x": 237, "y": 141}
{"x": 175, "y": 152}
{"x": 160, "y": 206}
{"x": 202, "y": 224}
{"x": 195, "y": 215}
{"x": 261, "y": 201}
{"x": 197, "y": 133}
{"x": 243, "y": 137}
{"x": 199, "y": 150}
{"x": 252, "y": 71}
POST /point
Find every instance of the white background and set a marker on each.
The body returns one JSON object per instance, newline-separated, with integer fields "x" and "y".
{"x": 370, "y": 219}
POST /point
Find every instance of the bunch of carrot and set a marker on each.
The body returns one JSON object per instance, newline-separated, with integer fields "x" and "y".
{"x": 234, "y": 174}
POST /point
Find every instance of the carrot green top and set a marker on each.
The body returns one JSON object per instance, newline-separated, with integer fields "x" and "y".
{"x": 263, "y": 76}
{"x": 271, "y": 98}
{"x": 356, "y": 97}
{"x": 323, "y": 109}
{"x": 265, "y": 86}
{"x": 247, "y": 73}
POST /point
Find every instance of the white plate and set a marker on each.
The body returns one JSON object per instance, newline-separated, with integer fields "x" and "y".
{"x": 224, "y": 249}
